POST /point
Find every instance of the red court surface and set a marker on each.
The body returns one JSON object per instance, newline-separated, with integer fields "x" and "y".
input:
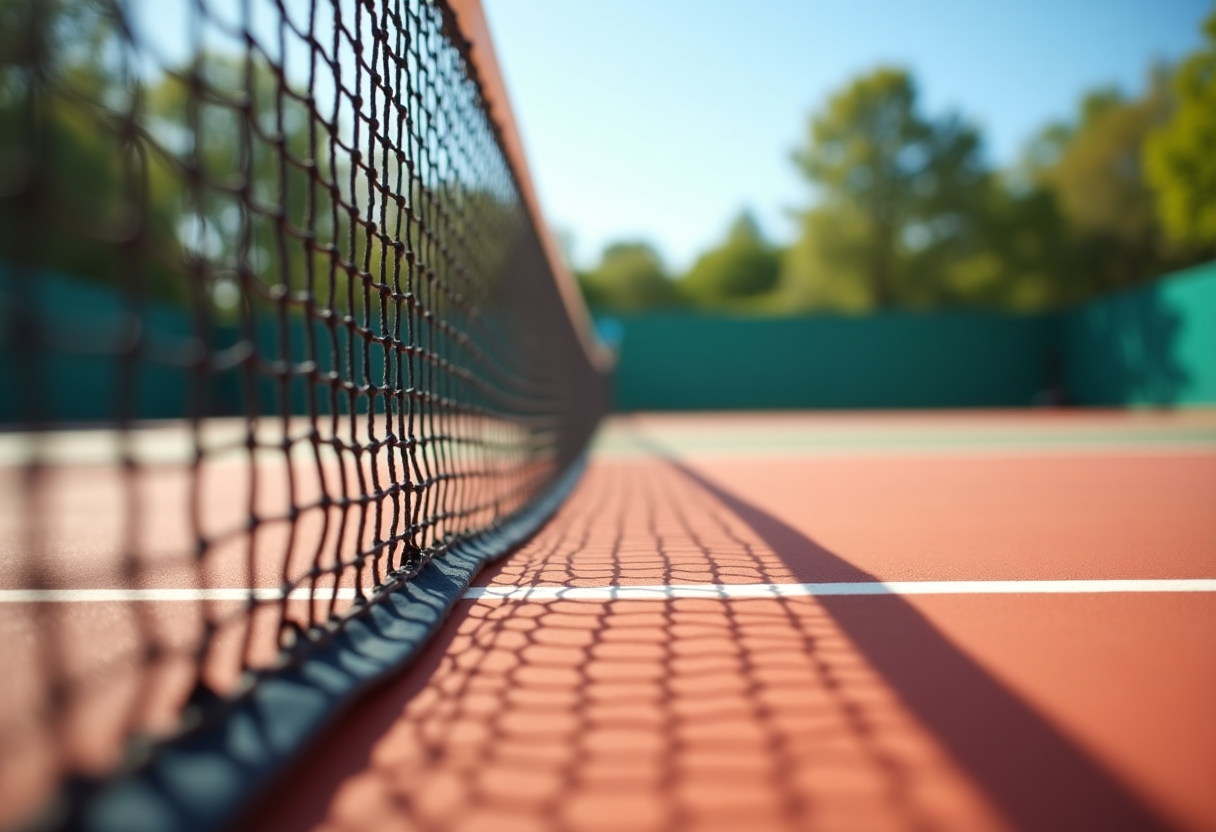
{"x": 1078, "y": 710}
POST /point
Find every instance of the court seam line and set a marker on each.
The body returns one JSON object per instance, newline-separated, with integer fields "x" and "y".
{"x": 655, "y": 592}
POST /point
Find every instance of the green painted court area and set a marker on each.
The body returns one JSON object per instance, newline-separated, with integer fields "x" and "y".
{"x": 991, "y": 432}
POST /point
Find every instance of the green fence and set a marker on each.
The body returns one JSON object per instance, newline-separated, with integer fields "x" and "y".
{"x": 675, "y": 362}
{"x": 1155, "y": 345}
{"x": 1151, "y": 346}
{"x": 64, "y": 353}
{"x": 77, "y": 351}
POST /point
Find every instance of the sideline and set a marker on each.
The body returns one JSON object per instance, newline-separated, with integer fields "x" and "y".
{"x": 631, "y": 593}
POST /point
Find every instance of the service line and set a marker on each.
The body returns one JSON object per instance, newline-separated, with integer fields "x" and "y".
{"x": 632, "y": 593}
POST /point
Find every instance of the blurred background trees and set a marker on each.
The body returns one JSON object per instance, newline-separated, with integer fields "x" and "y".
{"x": 159, "y": 160}
{"x": 68, "y": 69}
{"x": 899, "y": 195}
{"x": 630, "y": 277}
{"x": 906, "y": 211}
{"x": 1093, "y": 168}
{"x": 742, "y": 269}
{"x": 1181, "y": 154}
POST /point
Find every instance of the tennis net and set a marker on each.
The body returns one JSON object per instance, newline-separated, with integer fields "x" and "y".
{"x": 285, "y": 356}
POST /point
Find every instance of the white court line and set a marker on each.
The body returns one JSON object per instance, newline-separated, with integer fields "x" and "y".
{"x": 631, "y": 593}
{"x": 77, "y": 596}
{"x": 618, "y": 593}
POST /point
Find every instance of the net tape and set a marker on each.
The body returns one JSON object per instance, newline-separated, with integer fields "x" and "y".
{"x": 290, "y": 227}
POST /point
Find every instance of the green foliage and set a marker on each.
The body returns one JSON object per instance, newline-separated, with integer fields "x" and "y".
{"x": 908, "y": 215}
{"x": 213, "y": 221}
{"x": 630, "y": 277}
{"x": 1181, "y": 154}
{"x": 825, "y": 269}
{"x": 1024, "y": 260}
{"x": 743, "y": 267}
{"x": 63, "y": 103}
{"x": 1100, "y": 185}
{"x": 139, "y": 180}
{"x": 899, "y": 196}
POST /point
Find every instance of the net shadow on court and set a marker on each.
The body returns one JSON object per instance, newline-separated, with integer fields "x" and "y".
{"x": 771, "y": 713}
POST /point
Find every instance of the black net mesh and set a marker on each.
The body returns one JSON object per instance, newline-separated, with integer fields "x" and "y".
{"x": 276, "y": 330}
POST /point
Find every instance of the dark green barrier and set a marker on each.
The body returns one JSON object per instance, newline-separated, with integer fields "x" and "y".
{"x": 62, "y": 351}
{"x": 674, "y": 362}
{"x": 1155, "y": 345}
{"x": 65, "y": 350}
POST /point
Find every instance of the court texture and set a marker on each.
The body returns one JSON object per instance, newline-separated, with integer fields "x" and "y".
{"x": 853, "y": 621}
{"x": 769, "y": 621}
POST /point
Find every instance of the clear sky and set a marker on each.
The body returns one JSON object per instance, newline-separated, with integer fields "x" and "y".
{"x": 662, "y": 119}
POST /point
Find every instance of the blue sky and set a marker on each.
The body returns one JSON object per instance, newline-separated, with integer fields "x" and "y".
{"x": 662, "y": 119}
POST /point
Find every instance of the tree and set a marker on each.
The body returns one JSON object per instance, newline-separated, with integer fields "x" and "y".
{"x": 63, "y": 108}
{"x": 149, "y": 162}
{"x": 1096, "y": 175}
{"x": 1180, "y": 155}
{"x": 899, "y": 193}
{"x": 1025, "y": 259}
{"x": 212, "y": 134}
{"x": 630, "y": 277}
{"x": 743, "y": 267}
{"x": 825, "y": 269}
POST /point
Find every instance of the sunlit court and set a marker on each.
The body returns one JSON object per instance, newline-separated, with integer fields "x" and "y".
{"x": 806, "y": 621}
{"x": 342, "y": 488}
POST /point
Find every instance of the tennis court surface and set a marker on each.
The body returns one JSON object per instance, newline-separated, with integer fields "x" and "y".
{"x": 310, "y": 517}
{"x": 1057, "y": 672}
